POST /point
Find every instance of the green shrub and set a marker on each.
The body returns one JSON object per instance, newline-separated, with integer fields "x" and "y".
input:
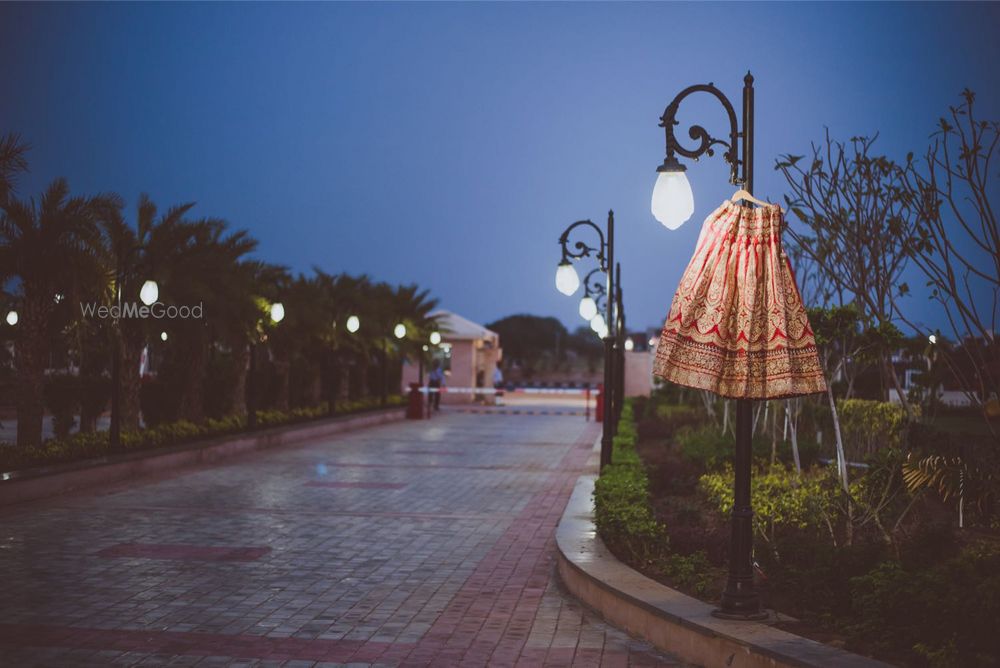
{"x": 780, "y": 498}
{"x": 705, "y": 445}
{"x": 691, "y": 570}
{"x": 869, "y": 426}
{"x": 622, "y": 513}
{"x": 941, "y": 616}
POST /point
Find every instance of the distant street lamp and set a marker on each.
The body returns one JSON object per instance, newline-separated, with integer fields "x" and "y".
{"x": 149, "y": 293}
{"x": 672, "y": 204}
{"x": 11, "y": 318}
{"x": 568, "y": 282}
{"x": 435, "y": 338}
{"x": 629, "y": 345}
{"x": 276, "y": 313}
{"x": 353, "y": 324}
{"x": 399, "y": 331}
{"x": 163, "y": 336}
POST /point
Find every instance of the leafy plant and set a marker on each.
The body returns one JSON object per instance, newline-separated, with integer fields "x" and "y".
{"x": 781, "y": 499}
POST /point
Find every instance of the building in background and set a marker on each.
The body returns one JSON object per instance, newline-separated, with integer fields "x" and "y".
{"x": 469, "y": 354}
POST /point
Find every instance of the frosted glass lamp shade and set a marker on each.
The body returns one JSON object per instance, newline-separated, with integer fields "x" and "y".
{"x": 11, "y": 318}
{"x": 567, "y": 280}
{"x": 629, "y": 345}
{"x": 673, "y": 201}
{"x": 435, "y": 338}
{"x": 277, "y": 312}
{"x": 588, "y": 308}
{"x": 399, "y": 331}
{"x": 353, "y": 324}
{"x": 149, "y": 293}
{"x": 163, "y": 336}
{"x": 597, "y": 324}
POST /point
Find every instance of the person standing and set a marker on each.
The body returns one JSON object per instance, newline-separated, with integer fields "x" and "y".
{"x": 498, "y": 385}
{"x": 435, "y": 381}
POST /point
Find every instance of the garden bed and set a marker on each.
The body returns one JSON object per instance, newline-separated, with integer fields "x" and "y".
{"x": 918, "y": 593}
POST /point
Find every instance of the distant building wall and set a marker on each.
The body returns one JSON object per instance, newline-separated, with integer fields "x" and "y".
{"x": 638, "y": 373}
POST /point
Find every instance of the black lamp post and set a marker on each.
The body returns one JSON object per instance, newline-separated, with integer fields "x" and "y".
{"x": 619, "y": 346}
{"x": 568, "y": 282}
{"x": 740, "y": 599}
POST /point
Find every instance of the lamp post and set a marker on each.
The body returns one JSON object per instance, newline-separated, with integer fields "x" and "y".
{"x": 276, "y": 312}
{"x": 672, "y": 204}
{"x": 568, "y": 282}
{"x": 619, "y": 346}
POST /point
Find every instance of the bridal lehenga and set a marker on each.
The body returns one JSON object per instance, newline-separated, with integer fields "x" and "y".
{"x": 737, "y": 325}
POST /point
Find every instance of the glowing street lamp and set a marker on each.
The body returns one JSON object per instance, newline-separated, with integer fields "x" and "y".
{"x": 435, "y": 338}
{"x": 277, "y": 312}
{"x": 588, "y": 308}
{"x": 399, "y": 331}
{"x": 567, "y": 280}
{"x": 673, "y": 201}
{"x": 149, "y": 293}
{"x": 629, "y": 345}
{"x": 12, "y": 318}
{"x": 353, "y": 324}
{"x": 163, "y": 336}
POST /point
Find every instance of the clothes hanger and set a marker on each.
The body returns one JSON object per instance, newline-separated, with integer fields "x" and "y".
{"x": 742, "y": 194}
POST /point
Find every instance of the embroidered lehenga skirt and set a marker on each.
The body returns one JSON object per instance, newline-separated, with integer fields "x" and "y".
{"x": 737, "y": 325}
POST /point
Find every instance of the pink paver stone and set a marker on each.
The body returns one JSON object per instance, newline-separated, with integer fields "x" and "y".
{"x": 357, "y": 485}
{"x": 184, "y": 552}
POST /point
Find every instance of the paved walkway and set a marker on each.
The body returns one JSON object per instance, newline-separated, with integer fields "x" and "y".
{"x": 415, "y": 543}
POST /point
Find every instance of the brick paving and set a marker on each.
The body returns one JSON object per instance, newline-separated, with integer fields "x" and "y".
{"x": 410, "y": 544}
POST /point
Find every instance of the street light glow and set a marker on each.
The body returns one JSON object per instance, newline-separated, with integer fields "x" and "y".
{"x": 588, "y": 308}
{"x": 629, "y": 344}
{"x": 11, "y": 318}
{"x": 435, "y": 338}
{"x": 353, "y": 324}
{"x": 932, "y": 338}
{"x": 673, "y": 201}
{"x": 597, "y": 324}
{"x": 567, "y": 280}
{"x": 399, "y": 331}
{"x": 149, "y": 293}
{"x": 277, "y": 312}
{"x": 163, "y": 336}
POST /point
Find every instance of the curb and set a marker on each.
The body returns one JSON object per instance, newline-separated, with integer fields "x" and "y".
{"x": 672, "y": 621}
{"x": 38, "y": 483}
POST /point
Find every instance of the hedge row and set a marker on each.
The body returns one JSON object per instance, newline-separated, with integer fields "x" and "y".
{"x": 91, "y": 445}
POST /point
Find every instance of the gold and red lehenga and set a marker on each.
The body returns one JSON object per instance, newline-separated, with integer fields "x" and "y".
{"x": 737, "y": 325}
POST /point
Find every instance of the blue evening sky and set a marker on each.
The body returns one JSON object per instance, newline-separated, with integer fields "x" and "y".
{"x": 450, "y": 144}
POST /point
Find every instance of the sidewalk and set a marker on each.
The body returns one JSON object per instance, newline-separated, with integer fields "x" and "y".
{"x": 416, "y": 543}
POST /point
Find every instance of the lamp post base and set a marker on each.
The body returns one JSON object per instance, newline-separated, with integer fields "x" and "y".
{"x": 760, "y": 615}
{"x": 740, "y": 601}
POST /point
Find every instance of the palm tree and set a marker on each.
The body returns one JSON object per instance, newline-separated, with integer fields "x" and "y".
{"x": 47, "y": 247}
{"x": 240, "y": 323}
{"x": 137, "y": 254}
{"x": 12, "y": 163}
{"x": 207, "y": 272}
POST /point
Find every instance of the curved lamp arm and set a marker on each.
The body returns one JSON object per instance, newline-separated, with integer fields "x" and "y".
{"x": 582, "y": 249}
{"x": 594, "y": 288}
{"x": 706, "y": 142}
